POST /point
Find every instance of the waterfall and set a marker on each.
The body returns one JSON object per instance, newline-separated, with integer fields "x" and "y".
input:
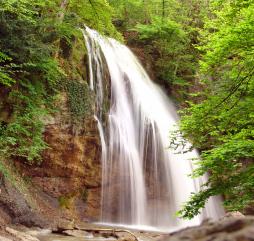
{"x": 144, "y": 183}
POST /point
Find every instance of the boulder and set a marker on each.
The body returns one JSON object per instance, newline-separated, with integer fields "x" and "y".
{"x": 2, "y": 238}
{"x": 78, "y": 233}
{"x": 20, "y": 235}
{"x": 237, "y": 228}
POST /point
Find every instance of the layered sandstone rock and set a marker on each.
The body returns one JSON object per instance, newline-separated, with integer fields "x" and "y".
{"x": 70, "y": 172}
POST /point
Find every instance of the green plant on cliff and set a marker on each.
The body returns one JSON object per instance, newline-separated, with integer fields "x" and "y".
{"x": 94, "y": 13}
{"x": 5, "y": 70}
{"x": 30, "y": 76}
{"x": 221, "y": 125}
{"x": 84, "y": 194}
{"x": 171, "y": 41}
{"x": 66, "y": 202}
{"x": 31, "y": 33}
{"x": 80, "y": 99}
{"x": 168, "y": 32}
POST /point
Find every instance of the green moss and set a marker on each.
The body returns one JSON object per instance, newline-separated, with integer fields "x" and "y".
{"x": 66, "y": 202}
{"x": 84, "y": 194}
{"x": 80, "y": 99}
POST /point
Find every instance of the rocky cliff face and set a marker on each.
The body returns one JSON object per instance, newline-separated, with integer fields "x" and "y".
{"x": 70, "y": 171}
{"x": 67, "y": 182}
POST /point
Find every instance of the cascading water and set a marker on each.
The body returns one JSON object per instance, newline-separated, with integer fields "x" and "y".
{"x": 143, "y": 182}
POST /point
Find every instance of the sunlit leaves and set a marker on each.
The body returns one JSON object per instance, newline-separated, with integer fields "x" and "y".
{"x": 222, "y": 124}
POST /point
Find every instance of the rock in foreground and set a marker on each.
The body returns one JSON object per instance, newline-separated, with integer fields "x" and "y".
{"x": 226, "y": 229}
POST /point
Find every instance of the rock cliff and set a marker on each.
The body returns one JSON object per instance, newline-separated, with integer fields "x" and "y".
{"x": 67, "y": 181}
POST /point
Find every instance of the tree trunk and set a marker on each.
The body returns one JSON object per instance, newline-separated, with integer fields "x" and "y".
{"x": 147, "y": 15}
{"x": 163, "y": 10}
{"x": 60, "y": 18}
{"x": 63, "y": 7}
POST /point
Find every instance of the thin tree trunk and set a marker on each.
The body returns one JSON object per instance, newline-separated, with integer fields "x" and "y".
{"x": 126, "y": 14}
{"x": 60, "y": 18}
{"x": 63, "y": 7}
{"x": 163, "y": 10}
{"x": 147, "y": 17}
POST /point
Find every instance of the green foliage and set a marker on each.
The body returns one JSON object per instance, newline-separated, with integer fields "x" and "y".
{"x": 164, "y": 30}
{"x": 96, "y": 14}
{"x": 29, "y": 75}
{"x": 66, "y": 202}
{"x": 84, "y": 194}
{"x": 23, "y": 135}
{"x": 127, "y": 13}
{"x": 222, "y": 124}
{"x": 167, "y": 31}
{"x": 80, "y": 99}
{"x": 170, "y": 41}
{"x": 6, "y": 172}
{"x": 5, "y": 70}
{"x": 30, "y": 68}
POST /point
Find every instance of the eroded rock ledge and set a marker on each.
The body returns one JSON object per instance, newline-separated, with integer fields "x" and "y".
{"x": 236, "y": 228}
{"x": 227, "y": 229}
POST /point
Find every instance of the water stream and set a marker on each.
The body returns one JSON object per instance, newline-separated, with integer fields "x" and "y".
{"x": 144, "y": 182}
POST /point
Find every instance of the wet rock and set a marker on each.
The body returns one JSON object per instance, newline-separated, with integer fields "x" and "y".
{"x": 125, "y": 237}
{"x": 20, "y": 235}
{"x": 64, "y": 224}
{"x": 31, "y": 219}
{"x": 38, "y": 232}
{"x": 236, "y": 214}
{"x": 78, "y": 233}
{"x": 14, "y": 204}
{"x": 5, "y": 239}
{"x": 227, "y": 229}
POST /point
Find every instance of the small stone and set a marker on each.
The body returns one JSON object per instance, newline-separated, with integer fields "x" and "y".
{"x": 37, "y": 232}
{"x": 235, "y": 214}
{"x": 5, "y": 239}
{"x": 78, "y": 233}
{"x": 21, "y": 235}
{"x": 65, "y": 225}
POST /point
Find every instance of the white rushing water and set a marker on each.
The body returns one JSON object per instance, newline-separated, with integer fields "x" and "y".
{"x": 144, "y": 182}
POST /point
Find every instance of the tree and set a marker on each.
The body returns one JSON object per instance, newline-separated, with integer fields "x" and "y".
{"x": 221, "y": 125}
